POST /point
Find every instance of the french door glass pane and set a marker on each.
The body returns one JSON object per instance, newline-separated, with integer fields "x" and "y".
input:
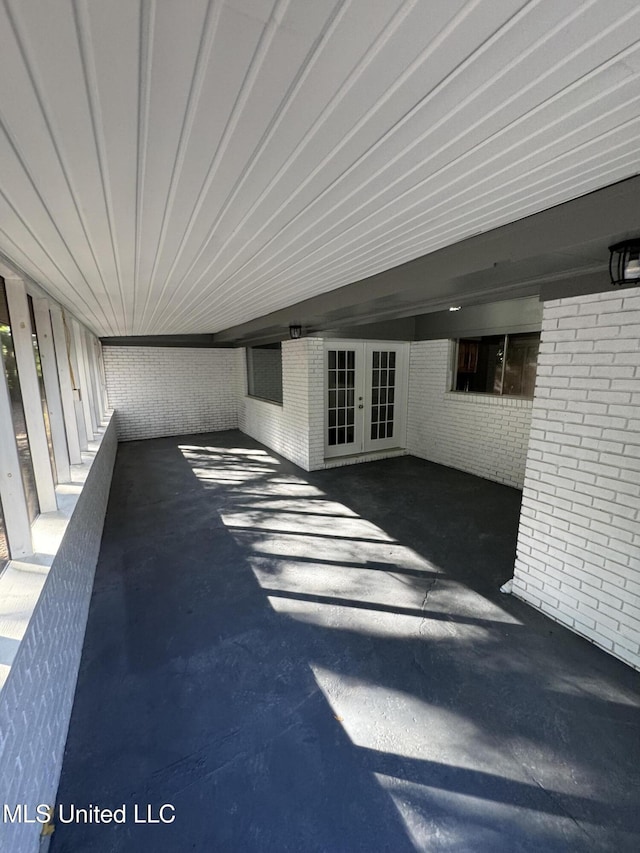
{"x": 17, "y": 410}
{"x": 341, "y": 381}
{"x": 383, "y": 381}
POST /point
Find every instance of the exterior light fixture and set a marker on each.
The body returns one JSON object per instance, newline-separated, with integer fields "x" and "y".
{"x": 455, "y": 308}
{"x": 624, "y": 263}
{"x": 295, "y": 332}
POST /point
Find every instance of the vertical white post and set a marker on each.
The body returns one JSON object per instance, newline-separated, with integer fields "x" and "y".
{"x": 31, "y": 400}
{"x": 102, "y": 377}
{"x": 80, "y": 421}
{"x": 52, "y": 388}
{"x": 66, "y": 385}
{"x": 83, "y": 379}
{"x": 78, "y": 405}
{"x": 14, "y": 502}
{"x": 91, "y": 374}
{"x": 94, "y": 346}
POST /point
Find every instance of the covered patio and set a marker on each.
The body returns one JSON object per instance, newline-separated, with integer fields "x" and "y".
{"x": 323, "y": 662}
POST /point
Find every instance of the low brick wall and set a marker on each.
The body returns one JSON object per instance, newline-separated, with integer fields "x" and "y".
{"x": 37, "y": 697}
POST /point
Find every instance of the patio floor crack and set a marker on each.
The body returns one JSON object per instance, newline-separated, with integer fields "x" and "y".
{"x": 429, "y": 589}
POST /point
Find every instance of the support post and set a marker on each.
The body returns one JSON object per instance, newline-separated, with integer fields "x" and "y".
{"x": 91, "y": 375}
{"x": 83, "y": 379}
{"x": 66, "y": 385}
{"x": 52, "y": 388}
{"x": 31, "y": 400}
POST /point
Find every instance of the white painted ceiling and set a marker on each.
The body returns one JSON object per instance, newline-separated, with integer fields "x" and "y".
{"x": 177, "y": 167}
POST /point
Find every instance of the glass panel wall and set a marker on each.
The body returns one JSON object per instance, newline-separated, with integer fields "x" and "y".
{"x": 43, "y": 394}
{"x": 17, "y": 409}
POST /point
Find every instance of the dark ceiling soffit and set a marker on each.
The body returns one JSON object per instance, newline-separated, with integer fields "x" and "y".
{"x": 555, "y": 230}
{"x": 402, "y": 329}
{"x": 579, "y": 286}
{"x": 490, "y": 318}
{"x": 512, "y": 316}
{"x": 385, "y": 320}
{"x": 164, "y": 341}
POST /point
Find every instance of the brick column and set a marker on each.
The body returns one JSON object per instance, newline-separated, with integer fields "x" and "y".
{"x": 578, "y": 553}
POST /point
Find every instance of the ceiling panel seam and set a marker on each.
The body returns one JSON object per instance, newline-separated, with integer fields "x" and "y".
{"x": 145, "y": 64}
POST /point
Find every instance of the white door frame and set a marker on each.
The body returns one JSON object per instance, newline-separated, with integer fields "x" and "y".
{"x": 400, "y": 387}
{"x": 362, "y": 403}
{"x": 354, "y": 446}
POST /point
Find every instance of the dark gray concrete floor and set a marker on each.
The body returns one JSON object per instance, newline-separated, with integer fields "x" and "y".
{"x": 322, "y": 662}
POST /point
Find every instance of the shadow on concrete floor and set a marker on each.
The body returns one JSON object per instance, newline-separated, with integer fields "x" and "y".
{"x": 322, "y": 662}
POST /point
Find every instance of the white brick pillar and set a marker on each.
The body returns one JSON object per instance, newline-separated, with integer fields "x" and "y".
{"x": 316, "y": 404}
{"x": 578, "y": 553}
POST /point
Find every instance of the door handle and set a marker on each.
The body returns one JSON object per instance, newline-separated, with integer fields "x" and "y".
{"x": 361, "y": 405}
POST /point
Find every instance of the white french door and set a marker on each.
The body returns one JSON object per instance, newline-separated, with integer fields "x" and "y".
{"x": 365, "y": 396}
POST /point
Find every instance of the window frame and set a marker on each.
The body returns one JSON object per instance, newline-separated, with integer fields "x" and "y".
{"x": 250, "y": 373}
{"x": 27, "y": 322}
{"x": 453, "y": 389}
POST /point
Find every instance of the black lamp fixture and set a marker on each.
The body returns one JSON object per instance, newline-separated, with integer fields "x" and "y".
{"x": 624, "y": 263}
{"x": 295, "y": 332}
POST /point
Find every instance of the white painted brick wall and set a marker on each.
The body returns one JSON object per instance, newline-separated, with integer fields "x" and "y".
{"x": 160, "y": 391}
{"x": 37, "y": 697}
{"x": 292, "y": 428}
{"x": 478, "y": 433}
{"x": 578, "y": 555}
